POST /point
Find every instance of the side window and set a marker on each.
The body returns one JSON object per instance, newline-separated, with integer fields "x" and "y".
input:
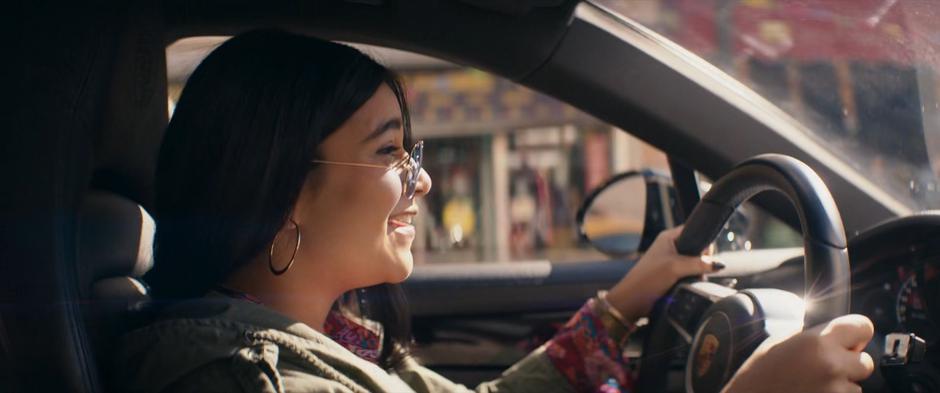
{"x": 510, "y": 166}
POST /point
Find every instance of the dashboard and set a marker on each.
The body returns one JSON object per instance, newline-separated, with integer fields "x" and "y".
{"x": 896, "y": 283}
{"x": 896, "y": 275}
{"x": 895, "y": 295}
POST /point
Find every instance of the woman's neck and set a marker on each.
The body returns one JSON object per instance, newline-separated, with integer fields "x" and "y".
{"x": 303, "y": 300}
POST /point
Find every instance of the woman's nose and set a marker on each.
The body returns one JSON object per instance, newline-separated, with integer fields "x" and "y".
{"x": 423, "y": 185}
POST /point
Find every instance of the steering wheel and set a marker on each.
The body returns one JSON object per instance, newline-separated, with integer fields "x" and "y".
{"x": 713, "y": 328}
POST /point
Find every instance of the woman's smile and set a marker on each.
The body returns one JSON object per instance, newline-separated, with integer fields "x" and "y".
{"x": 402, "y": 224}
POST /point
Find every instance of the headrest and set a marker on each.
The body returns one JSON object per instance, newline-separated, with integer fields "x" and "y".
{"x": 125, "y": 292}
{"x": 115, "y": 237}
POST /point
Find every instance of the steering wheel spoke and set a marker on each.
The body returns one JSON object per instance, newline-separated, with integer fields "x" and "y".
{"x": 689, "y": 302}
{"x": 677, "y": 325}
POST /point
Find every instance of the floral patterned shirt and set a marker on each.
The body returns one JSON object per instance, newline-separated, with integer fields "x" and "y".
{"x": 582, "y": 351}
{"x": 357, "y": 338}
{"x": 589, "y": 358}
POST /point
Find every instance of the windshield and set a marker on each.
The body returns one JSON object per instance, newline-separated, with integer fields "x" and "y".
{"x": 861, "y": 75}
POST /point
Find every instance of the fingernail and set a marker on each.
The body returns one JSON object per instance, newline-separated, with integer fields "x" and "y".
{"x": 716, "y": 266}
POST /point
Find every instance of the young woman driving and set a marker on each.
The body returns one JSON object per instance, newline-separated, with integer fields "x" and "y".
{"x": 286, "y": 188}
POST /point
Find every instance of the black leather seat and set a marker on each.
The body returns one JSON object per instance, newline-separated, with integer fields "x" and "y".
{"x": 87, "y": 109}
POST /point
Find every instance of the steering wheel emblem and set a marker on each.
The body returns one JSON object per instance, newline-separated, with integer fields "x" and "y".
{"x": 706, "y": 354}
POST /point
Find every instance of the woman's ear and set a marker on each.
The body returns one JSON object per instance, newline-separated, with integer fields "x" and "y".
{"x": 306, "y": 200}
{"x": 291, "y": 223}
{"x": 309, "y": 191}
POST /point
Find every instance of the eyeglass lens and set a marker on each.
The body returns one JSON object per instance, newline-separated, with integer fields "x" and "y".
{"x": 414, "y": 169}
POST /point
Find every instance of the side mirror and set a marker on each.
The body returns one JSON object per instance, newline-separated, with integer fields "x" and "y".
{"x": 624, "y": 215}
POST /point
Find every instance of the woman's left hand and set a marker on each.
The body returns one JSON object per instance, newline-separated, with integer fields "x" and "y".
{"x": 656, "y": 271}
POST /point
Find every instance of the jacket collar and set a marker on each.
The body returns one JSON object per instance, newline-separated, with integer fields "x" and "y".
{"x": 194, "y": 333}
{"x": 360, "y": 336}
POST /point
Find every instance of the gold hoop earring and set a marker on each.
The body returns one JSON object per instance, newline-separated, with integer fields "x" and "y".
{"x": 278, "y": 272}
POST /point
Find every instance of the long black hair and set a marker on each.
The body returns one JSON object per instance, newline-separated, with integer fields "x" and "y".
{"x": 236, "y": 154}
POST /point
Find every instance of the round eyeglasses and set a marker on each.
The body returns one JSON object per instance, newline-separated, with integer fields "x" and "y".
{"x": 410, "y": 165}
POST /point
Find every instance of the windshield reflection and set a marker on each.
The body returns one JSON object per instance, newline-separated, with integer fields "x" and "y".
{"x": 861, "y": 74}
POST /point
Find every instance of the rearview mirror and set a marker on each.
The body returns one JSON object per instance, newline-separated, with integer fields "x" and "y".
{"x": 624, "y": 215}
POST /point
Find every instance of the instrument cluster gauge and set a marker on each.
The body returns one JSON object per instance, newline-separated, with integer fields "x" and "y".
{"x": 912, "y": 308}
{"x": 930, "y": 288}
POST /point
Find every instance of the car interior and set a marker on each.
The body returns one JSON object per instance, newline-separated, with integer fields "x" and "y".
{"x": 89, "y": 106}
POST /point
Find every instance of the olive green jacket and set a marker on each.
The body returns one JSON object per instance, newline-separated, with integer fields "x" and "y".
{"x": 221, "y": 344}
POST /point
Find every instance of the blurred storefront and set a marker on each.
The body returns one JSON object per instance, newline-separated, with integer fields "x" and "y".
{"x": 510, "y": 168}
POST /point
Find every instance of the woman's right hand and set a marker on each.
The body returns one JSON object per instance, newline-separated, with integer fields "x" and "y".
{"x": 828, "y": 358}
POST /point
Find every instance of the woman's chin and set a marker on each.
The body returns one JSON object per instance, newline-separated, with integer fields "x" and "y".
{"x": 403, "y": 266}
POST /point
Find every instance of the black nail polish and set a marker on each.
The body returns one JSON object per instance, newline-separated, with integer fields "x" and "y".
{"x": 716, "y": 266}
